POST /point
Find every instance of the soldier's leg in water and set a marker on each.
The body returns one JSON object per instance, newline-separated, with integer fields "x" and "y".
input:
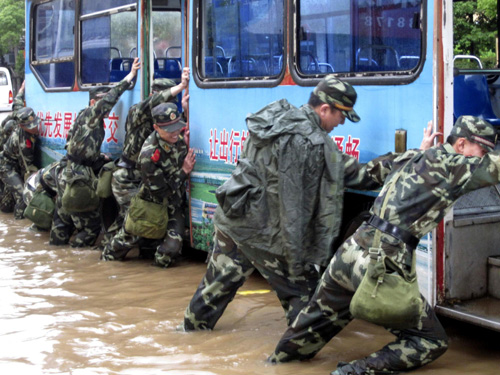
{"x": 328, "y": 311}
{"x": 124, "y": 184}
{"x": 62, "y": 226}
{"x": 227, "y": 270}
{"x": 120, "y": 245}
{"x": 15, "y": 184}
{"x": 171, "y": 246}
{"x": 88, "y": 226}
{"x": 412, "y": 349}
{"x": 6, "y": 199}
{"x": 293, "y": 291}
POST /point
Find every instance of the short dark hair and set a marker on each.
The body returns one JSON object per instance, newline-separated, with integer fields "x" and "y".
{"x": 315, "y": 101}
{"x": 451, "y": 139}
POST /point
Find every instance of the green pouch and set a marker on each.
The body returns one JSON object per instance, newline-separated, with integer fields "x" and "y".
{"x": 104, "y": 181}
{"x": 40, "y": 209}
{"x": 79, "y": 196}
{"x": 146, "y": 219}
{"x": 388, "y": 296}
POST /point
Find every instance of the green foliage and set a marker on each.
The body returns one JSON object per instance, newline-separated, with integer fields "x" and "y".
{"x": 12, "y": 21}
{"x": 203, "y": 236}
{"x": 19, "y": 68}
{"x": 475, "y": 31}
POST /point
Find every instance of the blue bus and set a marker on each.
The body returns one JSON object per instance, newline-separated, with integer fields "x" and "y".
{"x": 244, "y": 54}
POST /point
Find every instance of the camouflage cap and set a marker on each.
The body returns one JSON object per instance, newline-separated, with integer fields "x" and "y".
{"x": 98, "y": 93}
{"x": 167, "y": 116}
{"x": 340, "y": 94}
{"x": 27, "y": 118}
{"x": 475, "y": 130}
{"x": 161, "y": 84}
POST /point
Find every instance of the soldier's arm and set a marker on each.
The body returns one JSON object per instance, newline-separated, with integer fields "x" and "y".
{"x": 19, "y": 99}
{"x": 107, "y": 103}
{"x": 28, "y": 150}
{"x": 171, "y": 93}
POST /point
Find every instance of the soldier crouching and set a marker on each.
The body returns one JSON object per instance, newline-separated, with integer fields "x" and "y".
{"x": 165, "y": 162}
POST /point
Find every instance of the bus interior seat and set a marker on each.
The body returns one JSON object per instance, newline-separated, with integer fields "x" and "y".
{"x": 168, "y": 67}
{"x": 375, "y": 57}
{"x": 213, "y": 69}
{"x": 472, "y": 97}
{"x": 244, "y": 67}
{"x": 119, "y": 68}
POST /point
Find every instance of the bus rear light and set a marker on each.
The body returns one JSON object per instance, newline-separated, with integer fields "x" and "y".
{"x": 11, "y": 98}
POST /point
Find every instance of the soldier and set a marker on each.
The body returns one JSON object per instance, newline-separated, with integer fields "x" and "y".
{"x": 139, "y": 125}
{"x": 425, "y": 184}
{"x": 18, "y": 156}
{"x": 7, "y": 127}
{"x": 165, "y": 162}
{"x": 280, "y": 211}
{"x": 83, "y": 159}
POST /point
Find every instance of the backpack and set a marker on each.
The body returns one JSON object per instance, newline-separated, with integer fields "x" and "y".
{"x": 40, "y": 209}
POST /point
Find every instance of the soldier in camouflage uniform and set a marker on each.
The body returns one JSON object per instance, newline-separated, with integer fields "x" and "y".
{"x": 8, "y": 125}
{"x": 139, "y": 125}
{"x": 164, "y": 162}
{"x": 280, "y": 211}
{"x": 18, "y": 156}
{"x": 84, "y": 158}
{"x": 425, "y": 186}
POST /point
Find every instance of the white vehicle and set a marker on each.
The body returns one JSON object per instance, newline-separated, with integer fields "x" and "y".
{"x": 6, "y": 93}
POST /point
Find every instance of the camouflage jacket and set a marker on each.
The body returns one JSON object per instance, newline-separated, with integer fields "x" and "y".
{"x": 139, "y": 124}
{"x": 87, "y": 132}
{"x": 20, "y": 149}
{"x": 430, "y": 182}
{"x": 161, "y": 170}
{"x": 5, "y": 129}
{"x": 285, "y": 196}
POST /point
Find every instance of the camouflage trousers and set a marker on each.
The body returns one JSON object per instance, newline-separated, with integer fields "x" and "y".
{"x": 86, "y": 224}
{"x": 7, "y": 202}
{"x": 164, "y": 251}
{"x": 328, "y": 313}
{"x": 229, "y": 267}
{"x": 125, "y": 184}
{"x": 14, "y": 184}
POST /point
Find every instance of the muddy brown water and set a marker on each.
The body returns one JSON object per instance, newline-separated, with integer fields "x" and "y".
{"x": 62, "y": 311}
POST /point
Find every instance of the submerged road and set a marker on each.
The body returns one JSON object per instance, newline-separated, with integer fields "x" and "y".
{"x": 63, "y": 311}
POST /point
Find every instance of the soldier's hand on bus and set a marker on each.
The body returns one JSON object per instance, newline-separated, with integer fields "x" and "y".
{"x": 136, "y": 65}
{"x": 189, "y": 162}
{"x": 22, "y": 86}
{"x": 185, "y": 102}
{"x": 429, "y": 137}
{"x": 185, "y": 135}
{"x": 185, "y": 77}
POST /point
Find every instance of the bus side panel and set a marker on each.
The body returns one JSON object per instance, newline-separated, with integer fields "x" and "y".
{"x": 58, "y": 110}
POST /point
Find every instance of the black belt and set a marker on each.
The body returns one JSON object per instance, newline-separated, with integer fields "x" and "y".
{"x": 126, "y": 162}
{"x": 86, "y": 163}
{"x": 394, "y": 231}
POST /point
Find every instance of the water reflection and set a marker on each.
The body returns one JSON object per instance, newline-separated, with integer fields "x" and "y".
{"x": 65, "y": 312}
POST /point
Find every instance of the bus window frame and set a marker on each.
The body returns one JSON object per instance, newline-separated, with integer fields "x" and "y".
{"x": 80, "y": 18}
{"x": 233, "y": 82}
{"x": 35, "y": 63}
{"x": 402, "y": 77}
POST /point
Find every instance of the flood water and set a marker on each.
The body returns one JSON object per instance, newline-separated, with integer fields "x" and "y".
{"x": 62, "y": 311}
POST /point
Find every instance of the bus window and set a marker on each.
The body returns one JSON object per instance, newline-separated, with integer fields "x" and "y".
{"x": 52, "y": 56}
{"x": 109, "y": 40}
{"x": 358, "y": 36}
{"x": 167, "y": 40}
{"x": 241, "y": 39}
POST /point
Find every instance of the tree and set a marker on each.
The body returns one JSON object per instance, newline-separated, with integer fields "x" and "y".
{"x": 475, "y": 30}
{"x": 12, "y": 21}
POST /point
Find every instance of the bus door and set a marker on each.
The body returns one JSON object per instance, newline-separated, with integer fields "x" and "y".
{"x": 468, "y": 282}
{"x": 165, "y": 44}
